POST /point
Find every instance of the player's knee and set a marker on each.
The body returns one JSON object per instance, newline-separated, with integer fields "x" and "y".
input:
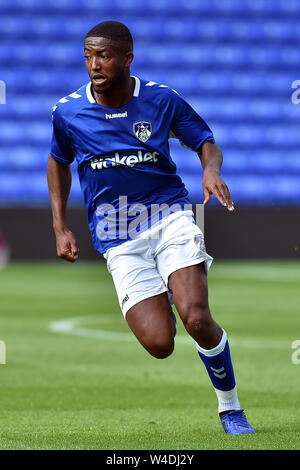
{"x": 197, "y": 325}
{"x": 190, "y": 308}
{"x": 197, "y": 317}
{"x": 161, "y": 350}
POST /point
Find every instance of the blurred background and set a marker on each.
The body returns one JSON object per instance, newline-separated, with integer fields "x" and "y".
{"x": 234, "y": 61}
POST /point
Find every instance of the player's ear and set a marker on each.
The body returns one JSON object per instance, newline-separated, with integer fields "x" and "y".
{"x": 128, "y": 58}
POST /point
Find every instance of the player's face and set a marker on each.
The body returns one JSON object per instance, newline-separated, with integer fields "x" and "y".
{"x": 107, "y": 64}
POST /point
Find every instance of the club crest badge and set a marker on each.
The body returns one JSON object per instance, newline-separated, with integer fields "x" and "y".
{"x": 142, "y": 130}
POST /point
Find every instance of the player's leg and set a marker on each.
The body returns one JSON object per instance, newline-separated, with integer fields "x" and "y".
{"x": 143, "y": 296}
{"x": 211, "y": 342}
{"x": 152, "y": 322}
{"x": 209, "y": 337}
{"x": 189, "y": 288}
{"x": 190, "y": 294}
{"x": 183, "y": 263}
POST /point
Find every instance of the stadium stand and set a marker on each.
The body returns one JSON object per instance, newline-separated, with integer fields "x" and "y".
{"x": 233, "y": 61}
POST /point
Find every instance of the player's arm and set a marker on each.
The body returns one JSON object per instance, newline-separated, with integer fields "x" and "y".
{"x": 59, "y": 183}
{"x": 211, "y": 159}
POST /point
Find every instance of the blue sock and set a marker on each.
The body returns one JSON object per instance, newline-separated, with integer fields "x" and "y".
{"x": 220, "y": 370}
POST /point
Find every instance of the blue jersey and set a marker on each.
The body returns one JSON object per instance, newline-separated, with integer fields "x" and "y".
{"x": 123, "y": 156}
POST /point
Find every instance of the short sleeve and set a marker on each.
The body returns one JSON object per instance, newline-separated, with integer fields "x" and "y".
{"x": 61, "y": 144}
{"x": 188, "y": 126}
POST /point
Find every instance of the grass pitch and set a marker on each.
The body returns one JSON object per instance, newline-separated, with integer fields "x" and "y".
{"x": 88, "y": 384}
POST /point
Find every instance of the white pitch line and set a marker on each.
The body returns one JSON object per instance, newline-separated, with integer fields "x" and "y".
{"x": 72, "y": 326}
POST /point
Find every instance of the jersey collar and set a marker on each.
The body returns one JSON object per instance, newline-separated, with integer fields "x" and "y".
{"x": 135, "y": 93}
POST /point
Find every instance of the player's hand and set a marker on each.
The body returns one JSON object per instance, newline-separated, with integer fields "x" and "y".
{"x": 213, "y": 184}
{"x": 66, "y": 245}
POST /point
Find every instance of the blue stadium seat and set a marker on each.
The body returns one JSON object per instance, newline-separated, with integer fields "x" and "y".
{"x": 233, "y": 61}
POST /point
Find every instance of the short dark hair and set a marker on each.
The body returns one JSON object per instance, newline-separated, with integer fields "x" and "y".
{"x": 115, "y": 31}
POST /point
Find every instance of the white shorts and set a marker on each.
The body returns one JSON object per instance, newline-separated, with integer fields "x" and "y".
{"x": 141, "y": 267}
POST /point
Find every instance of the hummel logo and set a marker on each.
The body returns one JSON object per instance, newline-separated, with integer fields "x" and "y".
{"x": 218, "y": 372}
{"x": 116, "y": 115}
{"x": 125, "y": 300}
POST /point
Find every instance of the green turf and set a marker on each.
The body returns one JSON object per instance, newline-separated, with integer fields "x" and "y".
{"x": 65, "y": 391}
